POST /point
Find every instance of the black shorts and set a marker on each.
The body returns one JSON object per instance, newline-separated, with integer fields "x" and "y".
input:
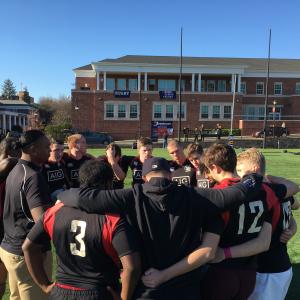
{"x": 64, "y": 294}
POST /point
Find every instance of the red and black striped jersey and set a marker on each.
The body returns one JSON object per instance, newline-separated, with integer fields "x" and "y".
{"x": 88, "y": 246}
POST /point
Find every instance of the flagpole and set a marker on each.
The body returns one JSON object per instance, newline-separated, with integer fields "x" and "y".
{"x": 233, "y": 103}
{"x": 179, "y": 98}
{"x": 267, "y": 92}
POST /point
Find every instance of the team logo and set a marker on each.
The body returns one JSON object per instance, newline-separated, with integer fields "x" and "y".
{"x": 74, "y": 174}
{"x": 203, "y": 183}
{"x": 182, "y": 180}
{"x": 187, "y": 169}
{"x": 137, "y": 174}
{"x": 172, "y": 169}
{"x": 55, "y": 175}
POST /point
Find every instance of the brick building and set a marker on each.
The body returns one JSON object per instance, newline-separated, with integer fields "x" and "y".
{"x": 124, "y": 96}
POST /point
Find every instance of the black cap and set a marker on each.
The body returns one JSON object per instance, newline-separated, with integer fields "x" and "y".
{"x": 155, "y": 164}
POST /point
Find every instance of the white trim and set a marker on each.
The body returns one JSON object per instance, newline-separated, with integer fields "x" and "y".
{"x": 127, "y": 110}
{"x": 139, "y": 81}
{"x": 104, "y": 81}
{"x": 260, "y": 82}
{"x": 146, "y": 82}
{"x": 193, "y": 82}
{"x": 199, "y": 82}
{"x": 85, "y": 73}
{"x": 239, "y": 83}
{"x": 274, "y": 88}
{"x": 98, "y": 81}
{"x": 263, "y": 74}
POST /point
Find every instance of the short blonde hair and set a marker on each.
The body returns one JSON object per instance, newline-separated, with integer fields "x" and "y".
{"x": 253, "y": 156}
{"x": 143, "y": 141}
{"x": 73, "y": 139}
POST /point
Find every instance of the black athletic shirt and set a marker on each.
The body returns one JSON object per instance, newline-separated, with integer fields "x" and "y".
{"x": 72, "y": 166}
{"x": 244, "y": 222}
{"x": 276, "y": 259}
{"x": 55, "y": 175}
{"x": 26, "y": 189}
{"x": 136, "y": 167}
{"x": 169, "y": 219}
{"x": 183, "y": 174}
{"x": 88, "y": 246}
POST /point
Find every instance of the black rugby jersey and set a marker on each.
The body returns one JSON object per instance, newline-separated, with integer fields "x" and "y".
{"x": 72, "y": 166}
{"x": 55, "y": 175}
{"x": 185, "y": 174}
{"x": 136, "y": 167}
{"x": 88, "y": 246}
{"x": 276, "y": 259}
{"x": 244, "y": 222}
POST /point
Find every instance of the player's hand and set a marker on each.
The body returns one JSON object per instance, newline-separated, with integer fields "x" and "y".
{"x": 47, "y": 290}
{"x": 110, "y": 153}
{"x": 153, "y": 278}
{"x": 219, "y": 256}
{"x": 286, "y": 235}
{"x": 252, "y": 180}
{"x": 115, "y": 295}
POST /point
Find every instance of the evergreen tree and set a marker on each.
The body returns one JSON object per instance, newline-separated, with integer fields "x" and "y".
{"x": 8, "y": 89}
{"x": 26, "y": 97}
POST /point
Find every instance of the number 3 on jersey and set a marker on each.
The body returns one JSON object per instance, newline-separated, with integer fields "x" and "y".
{"x": 252, "y": 205}
{"x": 79, "y": 238}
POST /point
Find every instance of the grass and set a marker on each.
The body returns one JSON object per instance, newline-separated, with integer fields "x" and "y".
{"x": 279, "y": 164}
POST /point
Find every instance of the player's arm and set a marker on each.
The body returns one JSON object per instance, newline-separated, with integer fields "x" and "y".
{"x": 205, "y": 253}
{"x": 292, "y": 188}
{"x": 223, "y": 199}
{"x": 98, "y": 201}
{"x": 34, "y": 257}
{"x": 111, "y": 158}
{"x": 253, "y": 247}
{"x": 287, "y": 234}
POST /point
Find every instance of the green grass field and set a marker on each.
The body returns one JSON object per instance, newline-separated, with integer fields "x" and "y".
{"x": 279, "y": 164}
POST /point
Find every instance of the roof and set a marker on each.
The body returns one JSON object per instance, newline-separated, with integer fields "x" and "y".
{"x": 12, "y": 102}
{"x": 255, "y": 64}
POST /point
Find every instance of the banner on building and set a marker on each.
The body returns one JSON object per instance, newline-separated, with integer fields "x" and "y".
{"x": 167, "y": 94}
{"x": 122, "y": 93}
{"x": 158, "y": 129}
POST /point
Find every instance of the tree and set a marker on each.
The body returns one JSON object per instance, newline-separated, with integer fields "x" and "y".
{"x": 8, "y": 89}
{"x": 26, "y": 97}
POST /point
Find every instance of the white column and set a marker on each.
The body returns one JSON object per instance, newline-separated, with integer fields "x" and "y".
{"x": 4, "y": 121}
{"x": 104, "y": 81}
{"x": 139, "y": 81}
{"x": 9, "y": 122}
{"x": 193, "y": 82}
{"x": 97, "y": 80}
{"x": 199, "y": 82}
{"x": 146, "y": 82}
{"x": 232, "y": 83}
{"x": 239, "y": 82}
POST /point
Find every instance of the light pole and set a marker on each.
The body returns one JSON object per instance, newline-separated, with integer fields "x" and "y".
{"x": 274, "y": 111}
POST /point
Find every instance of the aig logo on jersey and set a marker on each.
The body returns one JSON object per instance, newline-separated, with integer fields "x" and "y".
{"x": 55, "y": 175}
{"x": 182, "y": 180}
{"x": 137, "y": 174}
{"x": 74, "y": 174}
{"x": 203, "y": 183}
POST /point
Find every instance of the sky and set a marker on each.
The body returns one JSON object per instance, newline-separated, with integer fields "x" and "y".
{"x": 41, "y": 41}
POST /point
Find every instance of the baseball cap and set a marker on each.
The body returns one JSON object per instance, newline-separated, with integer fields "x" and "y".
{"x": 155, "y": 164}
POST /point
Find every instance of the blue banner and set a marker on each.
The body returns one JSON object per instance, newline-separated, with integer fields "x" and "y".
{"x": 121, "y": 93}
{"x": 167, "y": 94}
{"x": 158, "y": 128}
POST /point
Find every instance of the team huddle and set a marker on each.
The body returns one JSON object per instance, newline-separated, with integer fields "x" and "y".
{"x": 203, "y": 225}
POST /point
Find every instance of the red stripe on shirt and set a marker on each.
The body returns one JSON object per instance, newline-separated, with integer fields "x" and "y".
{"x": 49, "y": 218}
{"x": 108, "y": 230}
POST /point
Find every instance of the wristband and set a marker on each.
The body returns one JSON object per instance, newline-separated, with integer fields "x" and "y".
{"x": 227, "y": 252}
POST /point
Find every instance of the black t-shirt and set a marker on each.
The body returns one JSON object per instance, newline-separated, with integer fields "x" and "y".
{"x": 183, "y": 174}
{"x": 26, "y": 189}
{"x": 136, "y": 167}
{"x": 55, "y": 175}
{"x": 276, "y": 259}
{"x": 88, "y": 246}
{"x": 244, "y": 222}
{"x": 169, "y": 218}
{"x": 72, "y": 166}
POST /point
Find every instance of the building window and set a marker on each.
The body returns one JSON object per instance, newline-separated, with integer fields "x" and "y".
{"x": 109, "y": 110}
{"x": 110, "y": 84}
{"x": 216, "y": 112}
{"x": 182, "y": 111}
{"x": 221, "y": 85}
{"x": 157, "y": 111}
{"x": 182, "y": 85}
{"x": 151, "y": 84}
{"x": 166, "y": 85}
{"x": 121, "y": 111}
{"x": 297, "y": 88}
{"x": 210, "y": 85}
{"x": 121, "y": 84}
{"x": 204, "y": 111}
{"x": 132, "y": 84}
{"x": 243, "y": 88}
{"x": 202, "y": 85}
{"x": 278, "y": 88}
{"x": 259, "y": 88}
{"x": 133, "y": 111}
{"x": 169, "y": 111}
{"x": 261, "y": 113}
{"x": 251, "y": 112}
{"x": 227, "y": 111}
